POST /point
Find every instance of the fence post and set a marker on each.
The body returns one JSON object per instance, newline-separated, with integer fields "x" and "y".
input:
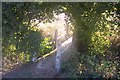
{"x": 66, "y": 29}
{"x": 58, "y": 54}
{"x": 55, "y": 35}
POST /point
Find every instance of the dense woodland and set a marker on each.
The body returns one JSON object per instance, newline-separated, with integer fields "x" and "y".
{"x": 96, "y": 36}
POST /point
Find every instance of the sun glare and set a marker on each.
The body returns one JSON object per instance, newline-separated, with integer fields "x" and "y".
{"x": 49, "y": 28}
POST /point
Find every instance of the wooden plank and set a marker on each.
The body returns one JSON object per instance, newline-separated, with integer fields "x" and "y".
{"x": 67, "y": 41}
{"x": 61, "y": 36}
{"x": 46, "y": 55}
{"x": 55, "y": 50}
{"x": 58, "y": 50}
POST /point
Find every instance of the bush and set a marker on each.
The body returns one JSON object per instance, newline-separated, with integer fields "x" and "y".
{"x": 85, "y": 65}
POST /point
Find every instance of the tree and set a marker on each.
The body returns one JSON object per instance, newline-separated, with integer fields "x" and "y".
{"x": 87, "y": 19}
{"x": 18, "y": 36}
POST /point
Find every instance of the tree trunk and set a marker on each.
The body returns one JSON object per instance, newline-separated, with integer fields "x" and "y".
{"x": 81, "y": 42}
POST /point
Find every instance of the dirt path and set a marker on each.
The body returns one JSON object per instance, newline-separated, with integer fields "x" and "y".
{"x": 42, "y": 69}
{"x": 45, "y": 68}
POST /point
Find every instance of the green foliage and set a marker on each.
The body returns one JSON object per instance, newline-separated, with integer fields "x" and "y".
{"x": 89, "y": 20}
{"x": 99, "y": 39}
{"x": 46, "y": 46}
{"x": 90, "y": 66}
{"x": 90, "y": 23}
{"x": 86, "y": 17}
{"x": 99, "y": 44}
{"x": 19, "y": 38}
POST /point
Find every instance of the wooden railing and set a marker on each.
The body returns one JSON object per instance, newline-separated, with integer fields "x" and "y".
{"x": 60, "y": 48}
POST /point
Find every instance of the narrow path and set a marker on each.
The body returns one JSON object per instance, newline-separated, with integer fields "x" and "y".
{"x": 45, "y": 68}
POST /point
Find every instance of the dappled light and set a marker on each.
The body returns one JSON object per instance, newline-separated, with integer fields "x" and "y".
{"x": 60, "y": 40}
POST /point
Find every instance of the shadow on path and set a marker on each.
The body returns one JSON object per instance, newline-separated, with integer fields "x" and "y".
{"x": 45, "y": 68}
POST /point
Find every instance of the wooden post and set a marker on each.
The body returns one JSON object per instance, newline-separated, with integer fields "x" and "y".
{"x": 58, "y": 54}
{"x": 55, "y": 36}
{"x": 66, "y": 29}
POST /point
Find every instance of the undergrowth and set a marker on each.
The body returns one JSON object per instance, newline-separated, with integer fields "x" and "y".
{"x": 83, "y": 65}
